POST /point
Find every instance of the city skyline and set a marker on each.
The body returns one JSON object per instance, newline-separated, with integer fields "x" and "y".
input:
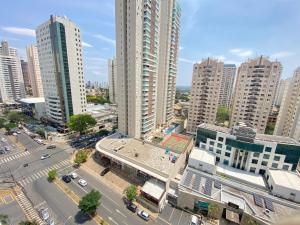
{"x": 226, "y": 32}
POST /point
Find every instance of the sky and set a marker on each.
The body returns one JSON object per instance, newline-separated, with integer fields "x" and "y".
{"x": 230, "y": 30}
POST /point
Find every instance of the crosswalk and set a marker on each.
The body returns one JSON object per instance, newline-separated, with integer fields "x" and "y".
{"x": 14, "y": 157}
{"x": 31, "y": 213}
{"x": 44, "y": 172}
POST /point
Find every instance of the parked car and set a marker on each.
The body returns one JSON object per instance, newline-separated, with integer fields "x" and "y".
{"x": 25, "y": 164}
{"x": 51, "y": 146}
{"x": 144, "y": 215}
{"x": 2, "y": 151}
{"x": 50, "y": 222}
{"x": 73, "y": 175}
{"x": 45, "y": 156}
{"x": 194, "y": 220}
{"x": 132, "y": 207}
{"x": 3, "y": 139}
{"x": 82, "y": 182}
{"x": 7, "y": 148}
{"x": 105, "y": 171}
{"x": 44, "y": 214}
{"x": 66, "y": 178}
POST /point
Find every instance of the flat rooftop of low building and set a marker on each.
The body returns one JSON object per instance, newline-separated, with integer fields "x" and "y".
{"x": 286, "y": 179}
{"x": 261, "y": 137}
{"x": 176, "y": 142}
{"x": 203, "y": 156}
{"x": 154, "y": 188}
{"x": 145, "y": 156}
{"x": 32, "y": 100}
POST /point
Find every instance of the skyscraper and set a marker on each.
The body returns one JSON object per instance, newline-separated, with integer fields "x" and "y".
{"x": 206, "y": 85}
{"x": 34, "y": 71}
{"x": 60, "y": 56}
{"x": 167, "y": 68}
{"x": 11, "y": 78}
{"x": 254, "y": 91}
{"x": 288, "y": 121}
{"x": 112, "y": 80}
{"x": 227, "y": 87}
{"x": 26, "y": 78}
{"x": 283, "y": 84}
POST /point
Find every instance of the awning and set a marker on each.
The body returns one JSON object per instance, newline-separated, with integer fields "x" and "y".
{"x": 232, "y": 216}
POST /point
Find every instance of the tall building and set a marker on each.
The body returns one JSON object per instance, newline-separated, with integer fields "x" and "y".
{"x": 288, "y": 121}
{"x": 112, "y": 80}
{"x": 167, "y": 68}
{"x": 137, "y": 52}
{"x": 34, "y": 71}
{"x": 26, "y": 78}
{"x": 283, "y": 84}
{"x": 206, "y": 85}
{"x": 254, "y": 92}
{"x": 60, "y": 56}
{"x": 11, "y": 77}
{"x": 227, "y": 88}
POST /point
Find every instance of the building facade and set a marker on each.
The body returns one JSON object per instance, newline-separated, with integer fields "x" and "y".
{"x": 283, "y": 84}
{"x": 11, "y": 77}
{"x": 34, "y": 71}
{"x": 254, "y": 92}
{"x": 227, "y": 88}
{"x": 137, "y": 52}
{"x": 168, "y": 53}
{"x": 288, "y": 122}
{"x": 242, "y": 148}
{"x": 206, "y": 85}
{"x": 60, "y": 57}
{"x": 25, "y": 73}
{"x": 112, "y": 80}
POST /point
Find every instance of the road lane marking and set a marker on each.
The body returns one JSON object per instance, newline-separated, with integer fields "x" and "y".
{"x": 118, "y": 211}
{"x": 180, "y": 218}
{"x": 171, "y": 214}
{"x": 106, "y": 208}
{"x": 111, "y": 219}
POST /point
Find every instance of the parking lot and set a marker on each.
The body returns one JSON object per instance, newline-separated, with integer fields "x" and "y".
{"x": 171, "y": 215}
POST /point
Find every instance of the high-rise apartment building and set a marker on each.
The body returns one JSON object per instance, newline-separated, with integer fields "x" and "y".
{"x": 227, "y": 88}
{"x": 206, "y": 85}
{"x": 254, "y": 92}
{"x": 283, "y": 84}
{"x": 60, "y": 56}
{"x": 26, "y": 78}
{"x": 288, "y": 121}
{"x": 34, "y": 71}
{"x": 11, "y": 77}
{"x": 112, "y": 80}
{"x": 167, "y": 68}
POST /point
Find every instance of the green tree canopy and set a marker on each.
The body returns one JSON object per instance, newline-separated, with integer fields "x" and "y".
{"x": 131, "y": 192}
{"x": 14, "y": 117}
{"x": 52, "y": 174}
{"x": 28, "y": 223}
{"x": 10, "y": 126}
{"x": 222, "y": 114}
{"x": 2, "y": 122}
{"x": 4, "y": 220}
{"x": 270, "y": 128}
{"x": 81, "y": 122}
{"x": 81, "y": 157}
{"x": 213, "y": 210}
{"x": 90, "y": 202}
{"x": 98, "y": 99}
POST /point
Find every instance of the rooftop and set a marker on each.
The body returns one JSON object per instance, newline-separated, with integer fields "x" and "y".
{"x": 32, "y": 100}
{"x": 176, "y": 142}
{"x": 286, "y": 178}
{"x": 154, "y": 188}
{"x": 202, "y": 155}
{"x": 260, "y": 137}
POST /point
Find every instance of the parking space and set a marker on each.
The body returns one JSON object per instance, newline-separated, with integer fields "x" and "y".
{"x": 173, "y": 216}
{"x": 88, "y": 140}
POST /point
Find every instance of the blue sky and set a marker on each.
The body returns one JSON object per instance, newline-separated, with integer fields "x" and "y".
{"x": 231, "y": 30}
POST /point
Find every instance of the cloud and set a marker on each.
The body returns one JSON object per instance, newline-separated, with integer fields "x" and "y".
{"x": 186, "y": 60}
{"x": 220, "y": 57}
{"x": 106, "y": 39}
{"x": 181, "y": 48}
{"x": 20, "y": 31}
{"x": 281, "y": 54}
{"x": 84, "y": 44}
{"x": 241, "y": 52}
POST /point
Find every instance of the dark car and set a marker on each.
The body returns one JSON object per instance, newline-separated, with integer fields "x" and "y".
{"x": 51, "y": 146}
{"x": 132, "y": 207}
{"x": 25, "y": 165}
{"x": 66, "y": 178}
{"x": 105, "y": 171}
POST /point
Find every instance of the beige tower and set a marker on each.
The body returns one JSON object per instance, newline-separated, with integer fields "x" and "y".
{"x": 227, "y": 88}
{"x": 254, "y": 92}
{"x": 206, "y": 85}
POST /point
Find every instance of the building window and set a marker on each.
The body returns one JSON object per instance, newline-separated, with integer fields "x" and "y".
{"x": 252, "y": 169}
{"x": 227, "y": 154}
{"x": 256, "y": 154}
{"x": 218, "y": 151}
{"x": 266, "y": 156}
{"x": 275, "y": 165}
{"x": 254, "y": 161}
{"x": 268, "y": 149}
{"x": 285, "y": 167}
{"x": 218, "y": 159}
{"x": 226, "y": 162}
{"x": 203, "y": 145}
{"x": 221, "y": 139}
{"x": 264, "y": 163}
{"x": 276, "y": 158}
{"x": 228, "y": 148}
{"x": 211, "y": 142}
{"x": 219, "y": 145}
{"x": 211, "y": 149}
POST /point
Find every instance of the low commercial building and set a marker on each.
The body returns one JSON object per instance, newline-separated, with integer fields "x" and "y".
{"x": 105, "y": 115}
{"x": 152, "y": 165}
{"x": 242, "y": 148}
{"x": 33, "y": 107}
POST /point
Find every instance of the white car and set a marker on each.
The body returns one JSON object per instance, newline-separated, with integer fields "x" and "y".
{"x": 194, "y": 220}
{"x": 82, "y": 182}
{"x": 44, "y": 214}
{"x": 45, "y": 156}
{"x": 144, "y": 215}
{"x": 73, "y": 175}
{"x": 3, "y": 139}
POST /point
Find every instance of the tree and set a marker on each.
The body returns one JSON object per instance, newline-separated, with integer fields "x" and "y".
{"x": 222, "y": 114}
{"x": 90, "y": 202}
{"x": 131, "y": 192}
{"x": 270, "y": 128}
{"x": 29, "y": 223}
{"x": 10, "y": 126}
{"x": 14, "y": 117}
{"x": 2, "y": 122}
{"x": 81, "y": 157}
{"x": 98, "y": 99}
{"x": 247, "y": 220}
{"x": 213, "y": 210}
{"x": 41, "y": 132}
{"x": 4, "y": 220}
{"x": 81, "y": 122}
{"x": 52, "y": 174}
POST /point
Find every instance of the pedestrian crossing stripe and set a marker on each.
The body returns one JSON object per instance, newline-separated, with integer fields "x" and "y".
{"x": 13, "y": 157}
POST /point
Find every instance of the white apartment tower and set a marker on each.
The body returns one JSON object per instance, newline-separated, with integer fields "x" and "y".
{"x": 206, "y": 85}
{"x": 34, "y": 71}
{"x": 255, "y": 88}
{"x": 167, "y": 68}
{"x": 60, "y": 56}
{"x": 11, "y": 77}
{"x": 227, "y": 88}
{"x": 112, "y": 80}
{"x": 288, "y": 120}
{"x": 137, "y": 44}
{"x": 283, "y": 84}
